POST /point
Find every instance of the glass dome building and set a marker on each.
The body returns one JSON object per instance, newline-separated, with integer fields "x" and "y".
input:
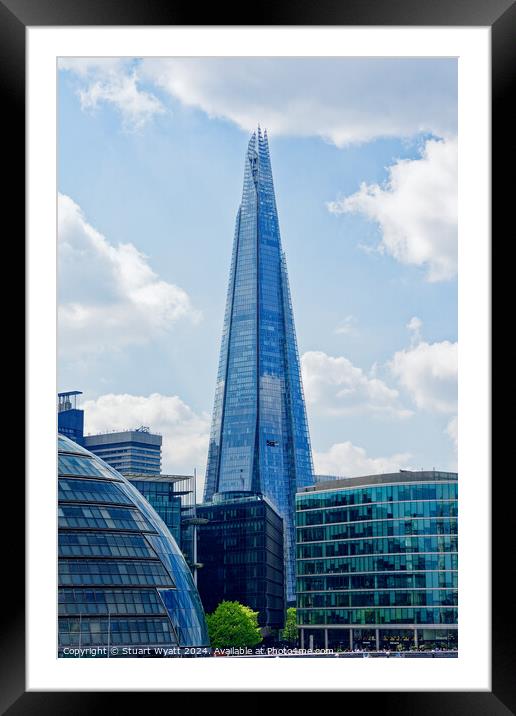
{"x": 123, "y": 581}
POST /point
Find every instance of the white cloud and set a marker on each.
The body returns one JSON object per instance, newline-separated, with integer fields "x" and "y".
{"x": 109, "y": 296}
{"x": 349, "y": 460}
{"x": 89, "y": 66}
{"x": 342, "y": 100}
{"x": 452, "y": 430}
{"x": 414, "y": 325}
{"x": 185, "y": 433}
{"x": 114, "y": 81}
{"x": 346, "y": 327}
{"x": 335, "y": 386}
{"x": 428, "y": 372}
{"x": 416, "y": 209}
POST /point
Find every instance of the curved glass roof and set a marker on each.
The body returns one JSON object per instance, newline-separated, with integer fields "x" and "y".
{"x": 122, "y": 578}
{"x": 64, "y": 444}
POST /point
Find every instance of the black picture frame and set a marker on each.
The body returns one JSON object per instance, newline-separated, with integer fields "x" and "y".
{"x": 500, "y": 16}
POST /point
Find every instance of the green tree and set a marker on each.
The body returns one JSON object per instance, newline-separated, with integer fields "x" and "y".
{"x": 233, "y": 624}
{"x": 289, "y": 633}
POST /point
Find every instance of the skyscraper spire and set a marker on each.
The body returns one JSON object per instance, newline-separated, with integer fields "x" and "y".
{"x": 259, "y": 134}
{"x": 259, "y": 439}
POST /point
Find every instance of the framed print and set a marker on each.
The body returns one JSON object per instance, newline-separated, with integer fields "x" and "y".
{"x": 251, "y": 250}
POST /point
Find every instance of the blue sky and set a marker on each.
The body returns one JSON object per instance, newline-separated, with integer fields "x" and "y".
{"x": 150, "y": 167}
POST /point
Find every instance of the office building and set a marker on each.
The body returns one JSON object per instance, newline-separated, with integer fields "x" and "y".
{"x": 259, "y": 441}
{"x": 377, "y": 562}
{"x": 241, "y": 549}
{"x": 173, "y": 498}
{"x": 123, "y": 581}
{"x": 128, "y": 451}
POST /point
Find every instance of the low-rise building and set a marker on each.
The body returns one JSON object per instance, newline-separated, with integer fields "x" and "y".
{"x": 377, "y": 562}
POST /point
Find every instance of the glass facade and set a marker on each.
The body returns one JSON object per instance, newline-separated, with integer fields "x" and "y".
{"x": 241, "y": 552}
{"x": 172, "y": 496}
{"x": 122, "y": 578}
{"x": 160, "y": 494}
{"x": 259, "y": 439}
{"x": 379, "y": 560}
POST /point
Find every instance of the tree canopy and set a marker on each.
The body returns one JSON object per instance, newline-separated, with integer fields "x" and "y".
{"x": 289, "y": 633}
{"x": 233, "y": 624}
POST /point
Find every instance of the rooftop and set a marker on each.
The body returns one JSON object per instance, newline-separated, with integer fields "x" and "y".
{"x": 229, "y": 498}
{"x": 136, "y": 434}
{"x": 389, "y": 478}
{"x": 156, "y": 478}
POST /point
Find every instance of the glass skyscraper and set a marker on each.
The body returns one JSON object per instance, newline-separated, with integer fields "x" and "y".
{"x": 259, "y": 438}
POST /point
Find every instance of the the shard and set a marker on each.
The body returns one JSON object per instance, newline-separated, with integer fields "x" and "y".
{"x": 259, "y": 441}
